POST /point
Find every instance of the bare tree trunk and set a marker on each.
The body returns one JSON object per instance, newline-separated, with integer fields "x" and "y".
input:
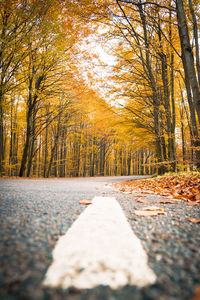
{"x": 27, "y": 141}
{"x": 187, "y": 54}
{"x": 129, "y": 162}
{"x": 32, "y": 144}
{"x": 53, "y": 150}
{"x": 102, "y": 156}
{"x": 183, "y": 134}
{"x": 195, "y": 34}
{"x": 156, "y": 102}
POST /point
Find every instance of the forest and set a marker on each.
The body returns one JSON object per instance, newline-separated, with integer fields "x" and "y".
{"x": 99, "y": 88}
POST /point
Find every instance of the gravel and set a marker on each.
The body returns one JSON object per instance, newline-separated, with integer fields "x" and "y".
{"x": 34, "y": 213}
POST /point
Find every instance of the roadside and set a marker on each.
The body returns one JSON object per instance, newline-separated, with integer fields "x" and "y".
{"x": 171, "y": 241}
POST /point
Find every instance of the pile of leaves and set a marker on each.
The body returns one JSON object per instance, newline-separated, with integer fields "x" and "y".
{"x": 183, "y": 186}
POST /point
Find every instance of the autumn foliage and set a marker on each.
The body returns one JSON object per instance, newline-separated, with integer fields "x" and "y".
{"x": 99, "y": 87}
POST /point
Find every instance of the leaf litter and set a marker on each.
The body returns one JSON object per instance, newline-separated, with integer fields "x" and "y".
{"x": 182, "y": 186}
{"x": 174, "y": 187}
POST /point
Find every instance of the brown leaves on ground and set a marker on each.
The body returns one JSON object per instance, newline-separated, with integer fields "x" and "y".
{"x": 158, "y": 201}
{"x": 85, "y": 202}
{"x": 193, "y": 220}
{"x": 150, "y": 211}
{"x": 184, "y": 186}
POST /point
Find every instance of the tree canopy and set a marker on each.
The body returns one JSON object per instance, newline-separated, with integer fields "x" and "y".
{"x": 99, "y": 87}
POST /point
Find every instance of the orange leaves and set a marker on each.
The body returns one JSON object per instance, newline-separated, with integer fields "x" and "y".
{"x": 150, "y": 211}
{"x": 196, "y": 295}
{"x": 142, "y": 201}
{"x": 165, "y": 201}
{"x": 154, "y": 208}
{"x": 85, "y": 202}
{"x": 192, "y": 203}
{"x": 184, "y": 187}
{"x": 193, "y": 220}
{"x": 197, "y": 196}
{"x": 158, "y": 201}
{"x": 175, "y": 188}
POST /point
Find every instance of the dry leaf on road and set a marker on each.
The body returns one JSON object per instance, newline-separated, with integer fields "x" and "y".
{"x": 165, "y": 201}
{"x": 193, "y": 220}
{"x": 150, "y": 211}
{"x": 85, "y": 202}
{"x": 146, "y": 213}
{"x": 154, "y": 208}
{"x": 142, "y": 201}
{"x": 192, "y": 203}
{"x": 196, "y": 295}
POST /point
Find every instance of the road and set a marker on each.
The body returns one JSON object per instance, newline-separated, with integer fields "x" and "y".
{"x": 34, "y": 213}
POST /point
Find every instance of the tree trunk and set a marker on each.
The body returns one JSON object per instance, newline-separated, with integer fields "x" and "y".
{"x": 1, "y": 137}
{"x": 187, "y": 54}
{"x": 195, "y": 34}
{"x": 27, "y": 141}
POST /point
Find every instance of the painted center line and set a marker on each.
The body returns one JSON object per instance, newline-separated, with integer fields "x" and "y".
{"x": 100, "y": 248}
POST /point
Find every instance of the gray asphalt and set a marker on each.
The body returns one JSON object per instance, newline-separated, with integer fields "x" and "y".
{"x": 35, "y": 212}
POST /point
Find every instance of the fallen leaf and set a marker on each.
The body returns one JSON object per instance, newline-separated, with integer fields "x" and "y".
{"x": 197, "y": 196}
{"x": 193, "y": 220}
{"x": 147, "y": 192}
{"x": 196, "y": 295}
{"x": 143, "y": 201}
{"x": 192, "y": 203}
{"x": 143, "y": 213}
{"x": 191, "y": 197}
{"x": 154, "y": 208}
{"x": 165, "y": 201}
{"x": 176, "y": 196}
{"x": 85, "y": 202}
{"x": 150, "y": 211}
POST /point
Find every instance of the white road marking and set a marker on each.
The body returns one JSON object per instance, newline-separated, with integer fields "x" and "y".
{"x": 99, "y": 249}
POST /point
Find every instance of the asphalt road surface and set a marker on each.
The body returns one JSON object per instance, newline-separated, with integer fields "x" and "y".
{"x": 34, "y": 213}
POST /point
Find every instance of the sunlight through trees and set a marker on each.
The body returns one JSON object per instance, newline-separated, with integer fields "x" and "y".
{"x": 66, "y": 110}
